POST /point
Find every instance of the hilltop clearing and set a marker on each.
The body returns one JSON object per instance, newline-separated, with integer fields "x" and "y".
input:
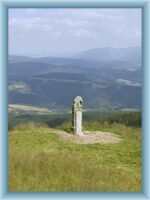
{"x": 41, "y": 161}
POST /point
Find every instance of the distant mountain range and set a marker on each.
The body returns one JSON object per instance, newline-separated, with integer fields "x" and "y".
{"x": 104, "y": 77}
{"x": 130, "y": 54}
{"x": 105, "y": 54}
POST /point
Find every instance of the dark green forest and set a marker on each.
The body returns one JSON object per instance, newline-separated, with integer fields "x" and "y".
{"x": 131, "y": 119}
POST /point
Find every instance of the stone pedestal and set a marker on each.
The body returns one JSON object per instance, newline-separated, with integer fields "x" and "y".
{"x": 77, "y": 116}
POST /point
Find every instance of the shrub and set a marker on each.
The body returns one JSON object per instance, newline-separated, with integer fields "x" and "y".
{"x": 66, "y": 126}
{"x": 30, "y": 125}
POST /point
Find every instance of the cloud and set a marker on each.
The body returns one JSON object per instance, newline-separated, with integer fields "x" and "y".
{"x": 84, "y": 33}
{"x": 58, "y": 27}
{"x": 29, "y": 23}
{"x": 73, "y": 23}
{"x": 13, "y": 22}
{"x": 89, "y": 19}
{"x": 31, "y": 11}
{"x": 73, "y": 29}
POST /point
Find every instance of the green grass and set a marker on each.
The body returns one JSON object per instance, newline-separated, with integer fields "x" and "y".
{"x": 39, "y": 161}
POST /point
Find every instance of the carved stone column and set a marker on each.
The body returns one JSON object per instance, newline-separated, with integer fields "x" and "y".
{"x": 77, "y": 115}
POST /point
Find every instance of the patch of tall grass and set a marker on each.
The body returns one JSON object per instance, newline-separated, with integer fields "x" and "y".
{"x": 40, "y": 162}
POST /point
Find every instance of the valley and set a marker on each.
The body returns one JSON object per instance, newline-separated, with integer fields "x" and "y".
{"x": 54, "y": 82}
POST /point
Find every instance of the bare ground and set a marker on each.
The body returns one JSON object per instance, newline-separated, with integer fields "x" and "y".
{"x": 90, "y": 137}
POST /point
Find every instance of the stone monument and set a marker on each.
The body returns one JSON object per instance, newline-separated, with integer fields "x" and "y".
{"x": 77, "y": 116}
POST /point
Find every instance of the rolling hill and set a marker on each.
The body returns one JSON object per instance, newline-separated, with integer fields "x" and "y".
{"x": 54, "y": 82}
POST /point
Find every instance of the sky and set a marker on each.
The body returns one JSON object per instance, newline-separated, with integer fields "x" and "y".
{"x": 55, "y": 32}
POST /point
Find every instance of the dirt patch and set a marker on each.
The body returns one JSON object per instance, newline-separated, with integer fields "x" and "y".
{"x": 90, "y": 137}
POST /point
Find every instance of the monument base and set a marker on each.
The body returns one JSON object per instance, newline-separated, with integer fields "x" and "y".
{"x": 80, "y": 133}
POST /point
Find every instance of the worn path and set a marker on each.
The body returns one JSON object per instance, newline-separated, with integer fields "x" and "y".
{"x": 90, "y": 137}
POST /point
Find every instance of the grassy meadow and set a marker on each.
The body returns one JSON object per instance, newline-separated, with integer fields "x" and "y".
{"x": 40, "y": 162}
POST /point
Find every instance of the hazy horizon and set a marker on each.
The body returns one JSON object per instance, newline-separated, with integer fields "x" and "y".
{"x": 60, "y": 32}
{"x": 68, "y": 54}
